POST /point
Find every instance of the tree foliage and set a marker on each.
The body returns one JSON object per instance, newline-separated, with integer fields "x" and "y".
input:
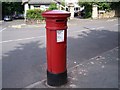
{"x": 9, "y": 8}
{"x": 63, "y": 4}
{"x": 88, "y": 8}
{"x": 115, "y": 5}
{"x": 104, "y": 6}
{"x": 34, "y": 14}
{"x": 107, "y": 6}
{"x": 52, "y": 6}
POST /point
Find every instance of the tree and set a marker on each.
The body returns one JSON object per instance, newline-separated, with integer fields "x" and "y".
{"x": 104, "y": 6}
{"x": 116, "y": 6}
{"x": 88, "y": 8}
{"x": 52, "y": 6}
{"x": 9, "y": 8}
{"x": 35, "y": 14}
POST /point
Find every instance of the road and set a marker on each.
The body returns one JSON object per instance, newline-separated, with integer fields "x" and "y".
{"x": 24, "y": 47}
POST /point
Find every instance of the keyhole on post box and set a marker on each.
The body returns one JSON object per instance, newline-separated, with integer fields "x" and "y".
{"x": 60, "y": 20}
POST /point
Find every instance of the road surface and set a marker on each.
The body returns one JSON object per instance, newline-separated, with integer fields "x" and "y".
{"x": 24, "y": 47}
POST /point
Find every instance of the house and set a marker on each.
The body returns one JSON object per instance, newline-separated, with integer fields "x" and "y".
{"x": 75, "y": 2}
{"x": 44, "y": 5}
{"x": 38, "y": 4}
{"x": 35, "y": 4}
{"x": 73, "y": 7}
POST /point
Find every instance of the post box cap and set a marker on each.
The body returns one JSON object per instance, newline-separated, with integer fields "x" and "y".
{"x": 56, "y": 13}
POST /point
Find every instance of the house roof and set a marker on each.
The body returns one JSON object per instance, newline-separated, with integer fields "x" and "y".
{"x": 40, "y": 1}
{"x": 10, "y": 0}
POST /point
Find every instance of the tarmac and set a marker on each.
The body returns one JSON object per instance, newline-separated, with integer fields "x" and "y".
{"x": 98, "y": 72}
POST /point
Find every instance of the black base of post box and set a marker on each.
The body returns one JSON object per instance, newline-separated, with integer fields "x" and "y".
{"x": 56, "y": 79}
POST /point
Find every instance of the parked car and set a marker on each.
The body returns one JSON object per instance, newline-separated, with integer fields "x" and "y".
{"x": 8, "y": 18}
{"x": 18, "y": 16}
{"x": 21, "y": 16}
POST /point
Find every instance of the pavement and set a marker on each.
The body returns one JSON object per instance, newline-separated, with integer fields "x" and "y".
{"x": 24, "y": 53}
{"x": 98, "y": 72}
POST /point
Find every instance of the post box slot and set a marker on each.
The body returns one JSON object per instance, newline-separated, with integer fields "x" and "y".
{"x": 60, "y": 20}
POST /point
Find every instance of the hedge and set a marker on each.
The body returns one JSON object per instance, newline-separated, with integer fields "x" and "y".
{"x": 34, "y": 14}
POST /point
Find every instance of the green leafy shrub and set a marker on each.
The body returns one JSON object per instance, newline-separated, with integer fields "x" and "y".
{"x": 34, "y": 14}
{"x": 52, "y": 6}
{"x": 104, "y": 6}
{"x": 88, "y": 9}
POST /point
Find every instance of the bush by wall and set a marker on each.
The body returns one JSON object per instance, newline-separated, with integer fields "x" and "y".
{"x": 34, "y": 14}
{"x": 87, "y": 10}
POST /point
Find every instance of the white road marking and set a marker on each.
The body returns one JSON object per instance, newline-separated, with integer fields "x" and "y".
{"x": 80, "y": 30}
{"x": 97, "y": 28}
{"x": 21, "y": 39}
{"x": 44, "y": 36}
{"x": 116, "y": 24}
{"x": 93, "y": 28}
{"x": 100, "y": 27}
{"x": 2, "y": 29}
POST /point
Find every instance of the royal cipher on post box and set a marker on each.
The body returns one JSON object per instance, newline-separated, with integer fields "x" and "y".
{"x": 56, "y": 44}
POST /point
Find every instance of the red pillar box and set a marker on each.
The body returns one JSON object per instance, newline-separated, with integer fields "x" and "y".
{"x": 56, "y": 31}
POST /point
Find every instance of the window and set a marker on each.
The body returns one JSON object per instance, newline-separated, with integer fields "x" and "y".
{"x": 42, "y": 7}
{"x": 37, "y": 6}
{"x": 76, "y": 8}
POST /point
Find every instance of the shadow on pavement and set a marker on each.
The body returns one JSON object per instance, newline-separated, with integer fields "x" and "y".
{"x": 90, "y": 44}
{"x": 26, "y": 64}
